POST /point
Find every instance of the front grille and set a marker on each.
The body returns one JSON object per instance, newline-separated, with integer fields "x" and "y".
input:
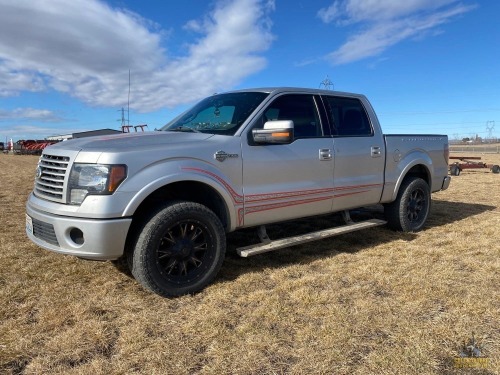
{"x": 52, "y": 173}
{"x": 45, "y": 232}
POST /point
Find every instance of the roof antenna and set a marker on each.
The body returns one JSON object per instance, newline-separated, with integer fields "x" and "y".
{"x": 128, "y": 100}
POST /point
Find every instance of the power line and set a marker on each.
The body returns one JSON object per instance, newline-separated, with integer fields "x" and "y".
{"x": 448, "y": 125}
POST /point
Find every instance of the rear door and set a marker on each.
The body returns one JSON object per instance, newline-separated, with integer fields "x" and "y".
{"x": 286, "y": 181}
{"x": 359, "y": 154}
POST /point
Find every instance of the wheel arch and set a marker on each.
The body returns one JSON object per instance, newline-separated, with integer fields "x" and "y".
{"x": 417, "y": 169}
{"x": 421, "y": 171}
{"x": 187, "y": 190}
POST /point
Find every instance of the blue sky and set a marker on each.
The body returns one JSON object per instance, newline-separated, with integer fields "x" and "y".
{"x": 428, "y": 66}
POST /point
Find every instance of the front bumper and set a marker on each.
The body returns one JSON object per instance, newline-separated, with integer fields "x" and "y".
{"x": 97, "y": 239}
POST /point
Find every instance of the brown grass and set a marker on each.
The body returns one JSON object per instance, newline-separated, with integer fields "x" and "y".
{"x": 372, "y": 302}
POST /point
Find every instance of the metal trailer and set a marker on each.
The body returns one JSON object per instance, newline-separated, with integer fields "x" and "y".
{"x": 470, "y": 162}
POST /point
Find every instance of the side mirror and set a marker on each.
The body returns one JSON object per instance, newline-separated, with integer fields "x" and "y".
{"x": 274, "y": 132}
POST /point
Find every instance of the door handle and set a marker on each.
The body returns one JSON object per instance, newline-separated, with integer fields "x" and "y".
{"x": 325, "y": 154}
{"x": 376, "y": 152}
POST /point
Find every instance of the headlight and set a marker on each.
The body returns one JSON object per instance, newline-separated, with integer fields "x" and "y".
{"x": 94, "y": 179}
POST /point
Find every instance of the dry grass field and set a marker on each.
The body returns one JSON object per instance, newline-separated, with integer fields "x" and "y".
{"x": 371, "y": 302}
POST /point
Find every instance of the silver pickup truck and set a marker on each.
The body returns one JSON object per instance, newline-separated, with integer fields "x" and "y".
{"x": 165, "y": 200}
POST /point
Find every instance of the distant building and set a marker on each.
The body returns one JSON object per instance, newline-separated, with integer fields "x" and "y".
{"x": 90, "y": 133}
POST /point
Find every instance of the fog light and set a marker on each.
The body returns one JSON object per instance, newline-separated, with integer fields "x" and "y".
{"x": 76, "y": 236}
{"x": 77, "y": 196}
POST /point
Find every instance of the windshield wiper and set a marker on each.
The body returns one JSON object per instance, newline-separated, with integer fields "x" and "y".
{"x": 183, "y": 129}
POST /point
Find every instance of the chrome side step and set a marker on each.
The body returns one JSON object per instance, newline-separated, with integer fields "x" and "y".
{"x": 268, "y": 245}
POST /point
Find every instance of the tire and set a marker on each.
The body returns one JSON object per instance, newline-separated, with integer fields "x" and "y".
{"x": 409, "y": 212}
{"x": 455, "y": 170}
{"x": 495, "y": 169}
{"x": 180, "y": 249}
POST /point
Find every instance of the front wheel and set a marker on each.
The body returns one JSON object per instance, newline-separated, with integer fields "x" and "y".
{"x": 179, "y": 250}
{"x": 408, "y": 213}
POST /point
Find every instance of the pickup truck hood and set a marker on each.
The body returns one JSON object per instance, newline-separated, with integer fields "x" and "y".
{"x": 128, "y": 141}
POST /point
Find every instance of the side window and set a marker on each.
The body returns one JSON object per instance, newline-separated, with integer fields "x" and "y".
{"x": 301, "y": 109}
{"x": 348, "y": 117}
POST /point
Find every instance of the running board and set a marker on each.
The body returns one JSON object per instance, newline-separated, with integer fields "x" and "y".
{"x": 309, "y": 237}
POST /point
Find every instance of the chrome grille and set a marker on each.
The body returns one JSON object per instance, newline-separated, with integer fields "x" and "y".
{"x": 51, "y": 174}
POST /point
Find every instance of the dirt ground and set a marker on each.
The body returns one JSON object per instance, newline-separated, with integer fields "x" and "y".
{"x": 371, "y": 302}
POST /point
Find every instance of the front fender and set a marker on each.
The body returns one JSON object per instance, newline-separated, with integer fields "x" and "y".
{"x": 161, "y": 175}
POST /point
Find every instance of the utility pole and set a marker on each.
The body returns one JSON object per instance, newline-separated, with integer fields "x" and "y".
{"x": 125, "y": 126}
{"x": 490, "y": 126}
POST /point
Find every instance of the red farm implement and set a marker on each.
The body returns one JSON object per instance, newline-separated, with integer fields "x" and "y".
{"x": 470, "y": 162}
{"x": 31, "y": 147}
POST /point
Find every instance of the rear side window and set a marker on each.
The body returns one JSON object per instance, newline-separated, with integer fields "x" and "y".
{"x": 348, "y": 117}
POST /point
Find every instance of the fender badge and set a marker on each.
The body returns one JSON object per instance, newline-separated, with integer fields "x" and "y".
{"x": 221, "y": 156}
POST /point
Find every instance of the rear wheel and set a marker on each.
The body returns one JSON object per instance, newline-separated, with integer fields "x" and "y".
{"x": 180, "y": 249}
{"x": 495, "y": 169}
{"x": 409, "y": 212}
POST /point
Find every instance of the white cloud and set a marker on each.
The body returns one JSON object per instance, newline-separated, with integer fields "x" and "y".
{"x": 43, "y": 115}
{"x": 233, "y": 36}
{"x": 13, "y": 81}
{"x": 384, "y": 23}
{"x": 331, "y": 13}
{"x": 17, "y": 132}
{"x": 85, "y": 48}
{"x": 351, "y": 11}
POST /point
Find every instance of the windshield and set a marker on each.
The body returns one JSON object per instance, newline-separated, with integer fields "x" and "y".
{"x": 218, "y": 114}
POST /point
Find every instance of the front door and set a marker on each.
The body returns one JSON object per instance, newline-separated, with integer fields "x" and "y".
{"x": 287, "y": 181}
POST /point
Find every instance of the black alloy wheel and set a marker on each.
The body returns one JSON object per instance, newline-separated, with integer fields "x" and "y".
{"x": 183, "y": 251}
{"x": 417, "y": 202}
{"x": 410, "y": 209}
